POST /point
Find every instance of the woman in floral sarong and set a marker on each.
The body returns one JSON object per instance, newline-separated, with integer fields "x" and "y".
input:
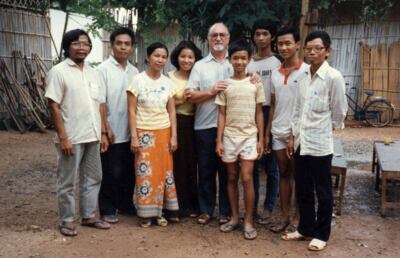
{"x": 152, "y": 123}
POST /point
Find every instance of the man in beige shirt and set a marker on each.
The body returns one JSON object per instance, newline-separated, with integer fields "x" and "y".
{"x": 73, "y": 92}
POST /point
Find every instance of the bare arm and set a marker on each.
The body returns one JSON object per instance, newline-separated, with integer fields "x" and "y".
{"x": 132, "y": 105}
{"x": 106, "y": 126}
{"x": 173, "y": 144}
{"x": 104, "y": 137}
{"x": 260, "y": 128}
{"x": 196, "y": 96}
{"x": 66, "y": 146}
{"x": 220, "y": 130}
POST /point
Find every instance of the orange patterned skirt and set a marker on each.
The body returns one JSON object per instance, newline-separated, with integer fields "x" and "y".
{"x": 155, "y": 184}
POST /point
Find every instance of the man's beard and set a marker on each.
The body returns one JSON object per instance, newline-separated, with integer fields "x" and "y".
{"x": 218, "y": 47}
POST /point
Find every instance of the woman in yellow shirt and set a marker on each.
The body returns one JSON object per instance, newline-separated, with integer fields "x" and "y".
{"x": 152, "y": 123}
{"x": 183, "y": 58}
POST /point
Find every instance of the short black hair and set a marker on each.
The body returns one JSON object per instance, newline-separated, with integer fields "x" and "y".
{"x": 153, "y": 46}
{"x": 71, "y": 36}
{"x": 120, "y": 31}
{"x": 323, "y": 35}
{"x": 289, "y": 30}
{"x": 239, "y": 45}
{"x": 265, "y": 25}
{"x": 184, "y": 44}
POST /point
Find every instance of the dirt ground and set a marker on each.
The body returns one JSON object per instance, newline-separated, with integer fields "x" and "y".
{"x": 28, "y": 214}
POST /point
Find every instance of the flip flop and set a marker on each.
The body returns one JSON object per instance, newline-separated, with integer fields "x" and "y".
{"x": 223, "y": 219}
{"x": 265, "y": 220}
{"x": 291, "y": 228}
{"x": 98, "y": 224}
{"x": 250, "y": 233}
{"x": 67, "y": 231}
{"x": 112, "y": 219}
{"x": 203, "y": 219}
{"x": 279, "y": 227}
{"x": 316, "y": 245}
{"x": 145, "y": 223}
{"x": 228, "y": 227}
{"x": 293, "y": 236}
{"x": 162, "y": 222}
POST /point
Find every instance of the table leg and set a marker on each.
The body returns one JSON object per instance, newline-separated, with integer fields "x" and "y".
{"x": 341, "y": 190}
{"x": 373, "y": 159}
{"x": 383, "y": 194}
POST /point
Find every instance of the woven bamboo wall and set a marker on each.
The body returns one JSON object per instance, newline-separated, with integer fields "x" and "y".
{"x": 25, "y": 31}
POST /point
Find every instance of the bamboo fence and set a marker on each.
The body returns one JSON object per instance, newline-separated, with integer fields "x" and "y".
{"x": 25, "y": 56}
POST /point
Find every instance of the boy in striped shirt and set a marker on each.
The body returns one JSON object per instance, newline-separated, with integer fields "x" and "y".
{"x": 240, "y": 134}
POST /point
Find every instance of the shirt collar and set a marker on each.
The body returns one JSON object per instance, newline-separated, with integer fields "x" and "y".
{"x": 322, "y": 70}
{"x": 115, "y": 62}
{"x": 297, "y": 66}
{"x": 70, "y": 62}
{"x": 210, "y": 57}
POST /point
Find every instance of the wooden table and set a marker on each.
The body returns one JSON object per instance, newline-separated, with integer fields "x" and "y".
{"x": 339, "y": 169}
{"x": 386, "y": 159}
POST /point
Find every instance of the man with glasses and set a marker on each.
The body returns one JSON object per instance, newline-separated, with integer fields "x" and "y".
{"x": 206, "y": 80}
{"x": 320, "y": 108}
{"x": 73, "y": 91}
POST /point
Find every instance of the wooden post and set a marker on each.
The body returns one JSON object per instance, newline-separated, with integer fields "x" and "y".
{"x": 303, "y": 26}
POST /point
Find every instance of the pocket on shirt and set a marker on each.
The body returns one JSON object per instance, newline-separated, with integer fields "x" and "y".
{"x": 319, "y": 104}
{"x": 94, "y": 90}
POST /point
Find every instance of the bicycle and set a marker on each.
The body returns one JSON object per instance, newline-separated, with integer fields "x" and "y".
{"x": 377, "y": 111}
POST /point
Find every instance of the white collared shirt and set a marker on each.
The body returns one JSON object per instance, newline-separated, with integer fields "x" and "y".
{"x": 321, "y": 105}
{"x": 115, "y": 81}
{"x": 78, "y": 93}
{"x": 204, "y": 75}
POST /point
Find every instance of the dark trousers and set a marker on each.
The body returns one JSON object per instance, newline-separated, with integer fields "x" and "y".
{"x": 117, "y": 186}
{"x": 313, "y": 175}
{"x": 185, "y": 166}
{"x": 209, "y": 165}
{"x": 269, "y": 163}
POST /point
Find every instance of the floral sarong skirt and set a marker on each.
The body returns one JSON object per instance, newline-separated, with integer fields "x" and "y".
{"x": 155, "y": 185}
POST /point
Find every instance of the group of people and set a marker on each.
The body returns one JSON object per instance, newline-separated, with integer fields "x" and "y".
{"x": 153, "y": 145}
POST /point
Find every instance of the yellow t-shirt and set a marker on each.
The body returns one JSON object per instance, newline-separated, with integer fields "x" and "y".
{"x": 240, "y": 99}
{"x": 152, "y": 98}
{"x": 179, "y": 88}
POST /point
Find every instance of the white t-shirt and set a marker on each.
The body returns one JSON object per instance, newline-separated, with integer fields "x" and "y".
{"x": 115, "y": 80}
{"x": 78, "y": 93}
{"x": 264, "y": 68}
{"x": 285, "y": 90}
{"x": 152, "y": 99}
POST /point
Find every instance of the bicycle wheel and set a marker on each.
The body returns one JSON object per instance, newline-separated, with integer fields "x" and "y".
{"x": 378, "y": 113}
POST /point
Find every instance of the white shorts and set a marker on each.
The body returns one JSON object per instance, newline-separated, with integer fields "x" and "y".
{"x": 279, "y": 143}
{"x": 243, "y": 147}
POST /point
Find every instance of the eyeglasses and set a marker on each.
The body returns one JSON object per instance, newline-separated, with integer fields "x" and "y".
{"x": 77, "y": 44}
{"x": 215, "y": 35}
{"x": 316, "y": 49}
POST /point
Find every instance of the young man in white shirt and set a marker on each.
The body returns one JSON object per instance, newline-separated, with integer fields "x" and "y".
{"x": 117, "y": 186}
{"x": 263, "y": 62}
{"x": 284, "y": 85}
{"x": 73, "y": 91}
{"x": 320, "y": 108}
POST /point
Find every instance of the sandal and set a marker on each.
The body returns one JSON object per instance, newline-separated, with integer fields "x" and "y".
{"x": 67, "y": 230}
{"x": 97, "y": 224}
{"x": 162, "y": 222}
{"x": 145, "y": 223}
{"x": 279, "y": 227}
{"x": 292, "y": 236}
{"x": 228, "y": 227}
{"x": 112, "y": 219}
{"x": 265, "y": 220}
{"x": 203, "y": 219}
{"x": 250, "y": 233}
{"x": 316, "y": 245}
{"x": 174, "y": 219}
{"x": 291, "y": 228}
{"x": 223, "y": 219}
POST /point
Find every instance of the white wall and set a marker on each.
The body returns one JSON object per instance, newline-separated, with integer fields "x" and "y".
{"x": 75, "y": 21}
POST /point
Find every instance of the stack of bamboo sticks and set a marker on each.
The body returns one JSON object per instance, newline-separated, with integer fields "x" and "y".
{"x": 25, "y": 102}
